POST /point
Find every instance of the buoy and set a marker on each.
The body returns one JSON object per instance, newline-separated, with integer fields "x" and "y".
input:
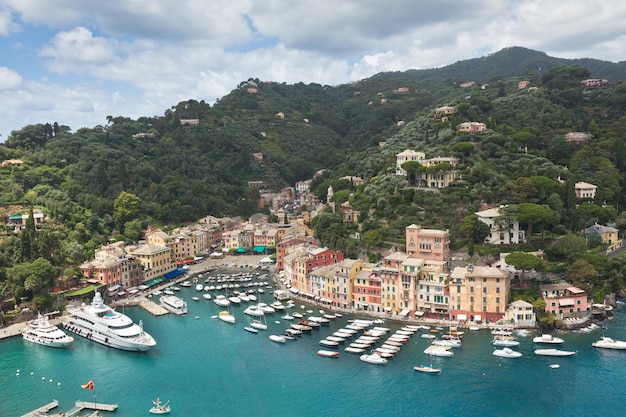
{"x": 50, "y": 380}
{"x": 58, "y": 384}
{"x": 18, "y": 371}
{"x": 32, "y": 373}
{"x": 43, "y": 378}
{"x": 555, "y": 365}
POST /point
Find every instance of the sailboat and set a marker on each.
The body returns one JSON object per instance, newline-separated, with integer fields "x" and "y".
{"x": 428, "y": 369}
{"x": 258, "y": 324}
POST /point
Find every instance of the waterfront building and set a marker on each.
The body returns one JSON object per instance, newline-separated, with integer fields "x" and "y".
{"x": 286, "y": 243}
{"x": 478, "y": 293}
{"x": 156, "y": 260}
{"x": 113, "y": 267}
{"x": 433, "y": 297}
{"x": 520, "y": 313}
{"x": 565, "y": 300}
{"x": 427, "y": 244}
{"x": 366, "y": 295}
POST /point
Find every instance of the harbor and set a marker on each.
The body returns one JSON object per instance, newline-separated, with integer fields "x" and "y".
{"x": 269, "y": 374}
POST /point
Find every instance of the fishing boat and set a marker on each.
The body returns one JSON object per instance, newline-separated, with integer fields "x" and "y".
{"x": 159, "y": 408}
{"x": 42, "y": 332}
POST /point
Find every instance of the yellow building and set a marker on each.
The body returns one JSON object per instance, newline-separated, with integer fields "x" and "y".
{"x": 478, "y": 293}
{"x": 156, "y": 260}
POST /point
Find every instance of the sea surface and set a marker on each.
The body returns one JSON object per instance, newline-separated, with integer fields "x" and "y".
{"x": 206, "y": 367}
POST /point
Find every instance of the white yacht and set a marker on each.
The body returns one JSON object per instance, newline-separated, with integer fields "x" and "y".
{"x": 102, "y": 324}
{"x": 221, "y": 300}
{"x": 174, "y": 304}
{"x": 608, "y": 343}
{"x": 41, "y": 331}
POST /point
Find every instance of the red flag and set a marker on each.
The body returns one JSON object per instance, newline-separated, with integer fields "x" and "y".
{"x": 88, "y": 385}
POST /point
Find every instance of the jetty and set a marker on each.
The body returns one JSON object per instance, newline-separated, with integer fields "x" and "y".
{"x": 43, "y": 410}
{"x": 90, "y": 405}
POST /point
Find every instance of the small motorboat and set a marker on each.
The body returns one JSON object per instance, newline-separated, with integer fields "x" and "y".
{"x": 444, "y": 351}
{"x": 194, "y": 298}
{"x": 547, "y": 338}
{"x": 226, "y": 317}
{"x": 555, "y": 366}
{"x": 505, "y": 342}
{"x": 554, "y": 352}
{"x": 159, "y": 408}
{"x": 250, "y": 329}
{"x": 329, "y": 343}
{"x": 278, "y": 338}
{"x": 327, "y": 353}
{"x": 506, "y": 353}
{"x": 374, "y": 358}
{"x": 608, "y": 343}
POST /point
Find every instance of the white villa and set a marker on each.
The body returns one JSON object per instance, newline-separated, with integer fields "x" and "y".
{"x": 500, "y": 234}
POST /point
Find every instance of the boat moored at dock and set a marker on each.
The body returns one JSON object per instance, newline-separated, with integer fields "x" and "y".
{"x": 102, "y": 324}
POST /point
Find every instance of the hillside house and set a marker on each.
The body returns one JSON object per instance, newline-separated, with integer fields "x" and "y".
{"x": 522, "y": 84}
{"x": 406, "y": 156}
{"x": 577, "y": 137}
{"x": 609, "y": 235}
{"x": 500, "y": 233}
{"x": 594, "y": 82}
{"x": 17, "y": 222}
{"x": 472, "y": 127}
{"x": 189, "y": 122}
{"x": 442, "y": 113}
{"x": 585, "y": 190}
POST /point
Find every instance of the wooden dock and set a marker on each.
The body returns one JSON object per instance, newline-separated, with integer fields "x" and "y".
{"x": 42, "y": 410}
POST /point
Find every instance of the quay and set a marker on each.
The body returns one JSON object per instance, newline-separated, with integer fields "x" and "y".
{"x": 43, "y": 410}
{"x": 141, "y": 301}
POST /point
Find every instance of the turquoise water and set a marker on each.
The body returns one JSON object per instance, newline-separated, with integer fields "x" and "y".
{"x": 209, "y": 368}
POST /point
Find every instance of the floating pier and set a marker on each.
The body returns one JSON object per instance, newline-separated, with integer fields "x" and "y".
{"x": 42, "y": 410}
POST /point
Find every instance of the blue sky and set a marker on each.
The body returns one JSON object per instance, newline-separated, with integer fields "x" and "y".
{"x": 77, "y": 61}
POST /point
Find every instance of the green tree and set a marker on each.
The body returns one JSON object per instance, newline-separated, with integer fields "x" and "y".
{"x": 568, "y": 248}
{"x": 125, "y": 208}
{"x": 582, "y": 273}
{"x": 531, "y": 214}
{"x": 524, "y": 262}
{"x": 476, "y": 229}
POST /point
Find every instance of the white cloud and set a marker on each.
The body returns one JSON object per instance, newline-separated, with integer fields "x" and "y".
{"x": 9, "y": 79}
{"x": 71, "y": 51}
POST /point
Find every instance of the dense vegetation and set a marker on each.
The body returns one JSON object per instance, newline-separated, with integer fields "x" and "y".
{"x": 109, "y": 182}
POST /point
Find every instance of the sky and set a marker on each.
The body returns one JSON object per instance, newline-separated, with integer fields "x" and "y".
{"x": 76, "y": 62}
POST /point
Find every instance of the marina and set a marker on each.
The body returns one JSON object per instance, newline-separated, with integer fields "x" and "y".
{"x": 193, "y": 346}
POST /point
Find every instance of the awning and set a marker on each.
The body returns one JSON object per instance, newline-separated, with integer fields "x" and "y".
{"x": 173, "y": 274}
{"x": 317, "y": 297}
{"x": 405, "y": 312}
{"x": 135, "y": 291}
{"x": 115, "y": 287}
{"x": 478, "y": 317}
{"x": 419, "y": 313}
{"x": 294, "y": 290}
{"x": 566, "y": 302}
{"x": 387, "y": 308}
{"x": 143, "y": 287}
{"x": 242, "y": 250}
{"x": 461, "y": 316}
{"x": 154, "y": 281}
{"x": 259, "y": 249}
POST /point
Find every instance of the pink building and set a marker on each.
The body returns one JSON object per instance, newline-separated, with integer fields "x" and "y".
{"x": 428, "y": 244}
{"x": 565, "y": 300}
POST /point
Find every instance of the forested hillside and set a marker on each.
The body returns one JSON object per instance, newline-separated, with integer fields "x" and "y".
{"x": 180, "y": 171}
